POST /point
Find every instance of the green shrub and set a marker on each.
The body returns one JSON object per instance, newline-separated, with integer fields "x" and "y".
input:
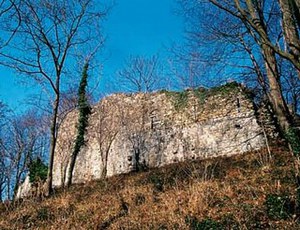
{"x": 293, "y": 137}
{"x": 206, "y": 224}
{"x": 278, "y": 206}
{"x": 37, "y": 171}
{"x": 43, "y": 214}
{"x": 179, "y": 99}
{"x": 225, "y": 89}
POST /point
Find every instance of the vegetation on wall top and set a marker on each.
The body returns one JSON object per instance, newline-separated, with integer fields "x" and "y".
{"x": 180, "y": 99}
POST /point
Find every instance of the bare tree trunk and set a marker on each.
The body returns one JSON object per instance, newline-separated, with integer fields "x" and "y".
{"x": 1, "y": 191}
{"x": 64, "y": 174}
{"x": 296, "y": 9}
{"x": 20, "y": 170}
{"x": 104, "y": 170}
{"x": 258, "y": 72}
{"x": 8, "y": 188}
{"x": 105, "y": 157}
{"x": 275, "y": 93}
{"x": 16, "y": 187}
{"x": 18, "y": 174}
{"x": 290, "y": 28}
{"x": 69, "y": 176}
{"x": 53, "y": 134}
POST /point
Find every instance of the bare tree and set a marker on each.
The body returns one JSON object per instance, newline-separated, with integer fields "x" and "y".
{"x": 249, "y": 28}
{"x": 10, "y": 20}
{"x": 2, "y": 112}
{"x": 257, "y": 16}
{"x": 106, "y": 129}
{"x": 114, "y": 120}
{"x": 2, "y": 150}
{"x": 136, "y": 131}
{"x": 27, "y": 143}
{"x": 187, "y": 68}
{"x": 50, "y": 33}
{"x": 2, "y": 179}
{"x": 105, "y": 139}
{"x": 22, "y": 139}
{"x": 141, "y": 74}
{"x": 291, "y": 26}
{"x": 290, "y": 86}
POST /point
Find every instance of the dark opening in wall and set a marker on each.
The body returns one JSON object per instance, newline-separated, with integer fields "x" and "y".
{"x": 237, "y": 126}
{"x": 238, "y": 104}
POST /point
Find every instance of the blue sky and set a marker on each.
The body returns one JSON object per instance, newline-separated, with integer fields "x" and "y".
{"x": 133, "y": 27}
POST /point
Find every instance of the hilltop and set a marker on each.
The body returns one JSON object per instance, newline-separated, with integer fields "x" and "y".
{"x": 250, "y": 191}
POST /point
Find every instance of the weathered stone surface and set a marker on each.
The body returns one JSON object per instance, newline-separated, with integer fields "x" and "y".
{"x": 129, "y": 132}
{"x": 24, "y": 188}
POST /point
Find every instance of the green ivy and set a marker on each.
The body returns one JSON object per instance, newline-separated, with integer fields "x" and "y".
{"x": 84, "y": 111}
{"x": 37, "y": 171}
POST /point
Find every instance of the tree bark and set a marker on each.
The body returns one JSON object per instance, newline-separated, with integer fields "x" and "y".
{"x": 104, "y": 162}
{"x": 8, "y": 194}
{"x": 106, "y": 153}
{"x": 275, "y": 92}
{"x": 53, "y": 134}
{"x": 1, "y": 190}
{"x": 18, "y": 174}
{"x": 290, "y": 28}
{"x": 296, "y": 8}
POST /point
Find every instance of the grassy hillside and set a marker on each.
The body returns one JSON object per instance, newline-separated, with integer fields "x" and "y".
{"x": 250, "y": 191}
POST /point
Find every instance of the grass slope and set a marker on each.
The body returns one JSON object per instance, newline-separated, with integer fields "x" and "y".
{"x": 250, "y": 191}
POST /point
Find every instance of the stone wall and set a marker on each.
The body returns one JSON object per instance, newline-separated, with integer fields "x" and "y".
{"x": 136, "y": 131}
{"x": 24, "y": 188}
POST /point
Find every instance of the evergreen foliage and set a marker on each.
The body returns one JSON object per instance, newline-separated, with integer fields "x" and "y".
{"x": 37, "y": 171}
{"x": 84, "y": 111}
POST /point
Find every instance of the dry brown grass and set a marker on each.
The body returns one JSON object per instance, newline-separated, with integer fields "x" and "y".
{"x": 231, "y": 191}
